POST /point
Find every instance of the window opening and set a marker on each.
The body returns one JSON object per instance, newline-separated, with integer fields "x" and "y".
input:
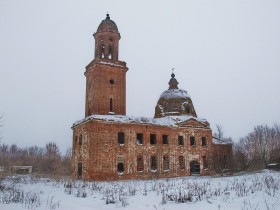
{"x": 181, "y": 163}
{"x": 153, "y": 139}
{"x": 139, "y": 138}
{"x": 153, "y": 163}
{"x": 121, "y": 137}
{"x": 181, "y": 140}
{"x": 102, "y": 51}
{"x": 111, "y": 105}
{"x": 192, "y": 141}
{"x": 140, "y": 163}
{"x": 164, "y": 139}
{"x": 203, "y": 141}
{"x": 110, "y": 55}
{"x": 120, "y": 167}
{"x": 111, "y": 81}
{"x": 165, "y": 163}
{"x": 80, "y": 170}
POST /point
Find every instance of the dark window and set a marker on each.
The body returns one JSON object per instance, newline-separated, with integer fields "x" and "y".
{"x": 165, "y": 163}
{"x": 110, "y": 52}
{"x": 153, "y": 162}
{"x": 80, "y": 170}
{"x": 120, "y": 137}
{"x": 140, "y": 163}
{"x": 112, "y": 82}
{"x": 153, "y": 139}
{"x": 111, "y": 104}
{"x": 192, "y": 141}
{"x": 164, "y": 139}
{"x": 120, "y": 167}
{"x": 181, "y": 140}
{"x": 205, "y": 162}
{"x": 203, "y": 141}
{"x": 181, "y": 163}
{"x": 139, "y": 138}
{"x": 80, "y": 139}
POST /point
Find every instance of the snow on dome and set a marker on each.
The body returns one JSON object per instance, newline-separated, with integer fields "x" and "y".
{"x": 174, "y": 93}
{"x": 174, "y": 101}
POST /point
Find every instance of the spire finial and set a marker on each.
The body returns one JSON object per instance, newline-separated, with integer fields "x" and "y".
{"x": 173, "y": 75}
{"x": 107, "y": 16}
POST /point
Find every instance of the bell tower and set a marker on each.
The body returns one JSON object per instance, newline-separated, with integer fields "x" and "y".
{"x": 106, "y": 75}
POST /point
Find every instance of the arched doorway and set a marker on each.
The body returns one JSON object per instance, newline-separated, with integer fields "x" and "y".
{"x": 195, "y": 167}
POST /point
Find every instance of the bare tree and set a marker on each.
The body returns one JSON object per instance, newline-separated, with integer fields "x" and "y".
{"x": 52, "y": 158}
{"x": 219, "y": 134}
{"x": 261, "y": 146}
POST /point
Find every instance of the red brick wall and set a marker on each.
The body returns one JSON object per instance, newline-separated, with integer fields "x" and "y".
{"x": 100, "y": 150}
{"x": 105, "y": 81}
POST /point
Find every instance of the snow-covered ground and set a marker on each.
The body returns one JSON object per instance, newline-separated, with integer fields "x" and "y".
{"x": 256, "y": 191}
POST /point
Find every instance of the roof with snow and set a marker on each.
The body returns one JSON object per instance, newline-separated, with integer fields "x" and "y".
{"x": 174, "y": 93}
{"x": 175, "y": 121}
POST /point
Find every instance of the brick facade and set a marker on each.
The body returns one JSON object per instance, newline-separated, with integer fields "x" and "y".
{"x": 108, "y": 145}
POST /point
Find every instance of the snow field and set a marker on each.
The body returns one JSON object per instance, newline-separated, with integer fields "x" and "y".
{"x": 256, "y": 191}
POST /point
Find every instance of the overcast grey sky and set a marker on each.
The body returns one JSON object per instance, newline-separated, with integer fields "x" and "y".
{"x": 226, "y": 54}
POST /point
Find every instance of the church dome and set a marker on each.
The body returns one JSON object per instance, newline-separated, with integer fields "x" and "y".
{"x": 108, "y": 25}
{"x": 174, "y": 101}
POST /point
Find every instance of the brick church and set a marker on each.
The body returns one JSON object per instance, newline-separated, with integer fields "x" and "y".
{"x": 108, "y": 145}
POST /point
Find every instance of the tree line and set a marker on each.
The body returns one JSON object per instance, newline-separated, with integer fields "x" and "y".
{"x": 44, "y": 160}
{"x": 258, "y": 148}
